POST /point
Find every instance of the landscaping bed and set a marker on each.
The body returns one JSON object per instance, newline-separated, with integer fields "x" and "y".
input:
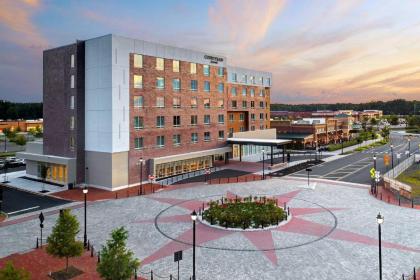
{"x": 249, "y": 212}
{"x": 411, "y": 177}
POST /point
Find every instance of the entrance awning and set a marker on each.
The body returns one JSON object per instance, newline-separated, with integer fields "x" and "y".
{"x": 258, "y": 142}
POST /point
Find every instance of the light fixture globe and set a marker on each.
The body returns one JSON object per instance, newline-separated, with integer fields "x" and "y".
{"x": 380, "y": 219}
{"x": 194, "y": 216}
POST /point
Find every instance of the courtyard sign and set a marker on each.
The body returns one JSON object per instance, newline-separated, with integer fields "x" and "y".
{"x": 213, "y": 59}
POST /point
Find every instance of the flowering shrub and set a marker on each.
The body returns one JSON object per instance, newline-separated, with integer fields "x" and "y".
{"x": 249, "y": 212}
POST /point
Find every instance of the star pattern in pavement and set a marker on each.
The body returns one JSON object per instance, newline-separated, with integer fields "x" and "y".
{"x": 263, "y": 239}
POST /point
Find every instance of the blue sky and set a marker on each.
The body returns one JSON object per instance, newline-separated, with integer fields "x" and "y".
{"x": 318, "y": 51}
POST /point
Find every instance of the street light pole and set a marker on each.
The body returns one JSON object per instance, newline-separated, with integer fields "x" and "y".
{"x": 409, "y": 147}
{"x": 141, "y": 160}
{"x": 392, "y": 156}
{"x": 193, "y": 218}
{"x": 380, "y": 220}
{"x": 85, "y": 191}
{"x": 263, "y": 152}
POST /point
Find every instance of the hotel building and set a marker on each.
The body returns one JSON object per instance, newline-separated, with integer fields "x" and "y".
{"x": 111, "y": 101}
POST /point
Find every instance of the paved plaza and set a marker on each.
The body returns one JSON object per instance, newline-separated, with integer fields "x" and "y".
{"x": 332, "y": 233}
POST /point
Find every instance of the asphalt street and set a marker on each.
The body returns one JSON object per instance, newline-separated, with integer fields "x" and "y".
{"x": 355, "y": 167}
{"x": 17, "y": 202}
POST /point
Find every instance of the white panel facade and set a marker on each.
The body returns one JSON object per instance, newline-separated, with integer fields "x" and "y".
{"x": 261, "y": 78}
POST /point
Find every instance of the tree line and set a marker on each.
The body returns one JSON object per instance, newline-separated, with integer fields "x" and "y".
{"x": 393, "y": 107}
{"x": 14, "y": 111}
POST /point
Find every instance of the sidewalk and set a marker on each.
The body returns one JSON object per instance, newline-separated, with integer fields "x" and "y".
{"x": 28, "y": 185}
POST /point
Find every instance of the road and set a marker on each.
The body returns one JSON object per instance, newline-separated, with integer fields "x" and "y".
{"x": 355, "y": 167}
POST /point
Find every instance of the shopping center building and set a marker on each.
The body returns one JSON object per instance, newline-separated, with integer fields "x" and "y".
{"x": 112, "y": 102}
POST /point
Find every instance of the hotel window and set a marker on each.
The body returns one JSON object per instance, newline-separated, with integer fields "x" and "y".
{"x": 160, "y": 121}
{"x": 221, "y": 119}
{"x": 252, "y": 92}
{"x": 138, "y": 102}
{"x": 138, "y": 143}
{"x": 176, "y": 139}
{"x": 269, "y": 81}
{"x": 177, "y": 121}
{"x": 252, "y": 104}
{"x": 71, "y": 122}
{"x": 176, "y": 84}
{"x": 138, "y": 61}
{"x": 221, "y": 134}
{"x": 206, "y": 70}
{"x": 207, "y": 103}
{"x": 194, "y": 85}
{"x": 244, "y": 79}
{"x": 194, "y": 120}
{"x": 193, "y": 102}
{"x": 262, "y": 81}
{"x": 261, "y": 92}
{"x": 261, "y": 116}
{"x": 193, "y": 68}
{"x": 233, "y": 91}
{"x": 72, "y": 81}
{"x": 72, "y": 143}
{"x": 241, "y": 117}
{"x": 252, "y": 117}
{"x": 72, "y": 102}
{"x": 206, "y": 86}
{"x": 252, "y": 79}
{"x": 160, "y": 63}
{"x": 231, "y": 132}
{"x": 244, "y": 104}
{"x": 253, "y": 128}
{"x": 242, "y": 129}
{"x": 207, "y": 136}
{"x": 234, "y": 104}
{"x": 72, "y": 61}
{"x": 138, "y": 122}
{"x": 262, "y": 127}
{"x": 220, "y": 71}
{"x": 220, "y": 87}
{"x": 160, "y": 83}
{"x": 175, "y": 65}
{"x": 243, "y": 91}
{"x": 221, "y": 103}
{"x": 231, "y": 118}
{"x": 138, "y": 81}
{"x": 206, "y": 119}
{"x": 160, "y": 102}
{"x": 160, "y": 141}
{"x": 194, "y": 137}
{"x": 176, "y": 102}
{"x": 234, "y": 77}
{"x": 261, "y": 104}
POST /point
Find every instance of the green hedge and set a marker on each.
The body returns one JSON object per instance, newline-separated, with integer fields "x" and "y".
{"x": 250, "y": 212}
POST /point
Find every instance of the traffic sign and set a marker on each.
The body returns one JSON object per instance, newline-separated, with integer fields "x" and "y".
{"x": 398, "y": 155}
{"x": 387, "y": 159}
{"x": 372, "y": 172}
{"x": 178, "y": 256}
{"x": 151, "y": 177}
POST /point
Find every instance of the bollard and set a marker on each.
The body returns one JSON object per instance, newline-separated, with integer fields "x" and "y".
{"x": 284, "y": 206}
{"x": 88, "y": 245}
{"x": 288, "y": 211}
{"x": 37, "y": 243}
{"x": 151, "y": 274}
{"x": 412, "y": 203}
{"x": 399, "y": 200}
{"x": 99, "y": 256}
{"x": 135, "y": 273}
{"x": 170, "y": 276}
{"x": 414, "y": 273}
{"x": 91, "y": 252}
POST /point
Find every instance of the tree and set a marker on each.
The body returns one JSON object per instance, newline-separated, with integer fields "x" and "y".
{"x": 393, "y": 120}
{"x": 117, "y": 262}
{"x": 62, "y": 242}
{"x": 10, "y": 272}
{"x": 385, "y": 132}
{"x": 20, "y": 140}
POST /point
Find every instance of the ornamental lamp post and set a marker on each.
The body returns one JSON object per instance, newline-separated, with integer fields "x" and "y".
{"x": 374, "y": 161}
{"x": 263, "y": 152}
{"x": 193, "y": 218}
{"x": 409, "y": 147}
{"x": 140, "y": 162}
{"x": 380, "y": 220}
{"x": 85, "y": 192}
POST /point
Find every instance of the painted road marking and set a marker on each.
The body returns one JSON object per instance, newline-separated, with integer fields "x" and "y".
{"x": 23, "y": 210}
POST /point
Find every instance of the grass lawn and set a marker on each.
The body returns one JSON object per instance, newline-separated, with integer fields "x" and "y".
{"x": 412, "y": 178}
{"x": 8, "y": 154}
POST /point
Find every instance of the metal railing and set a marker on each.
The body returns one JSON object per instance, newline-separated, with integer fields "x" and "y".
{"x": 411, "y": 276}
{"x": 176, "y": 178}
{"x": 389, "y": 177}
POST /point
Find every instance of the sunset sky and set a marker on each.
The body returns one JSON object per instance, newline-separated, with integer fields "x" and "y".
{"x": 319, "y": 51}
